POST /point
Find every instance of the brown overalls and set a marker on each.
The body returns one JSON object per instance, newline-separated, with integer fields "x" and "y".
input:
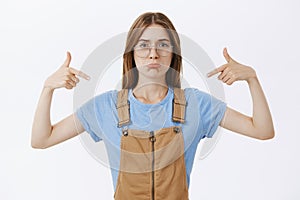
{"x": 152, "y": 165}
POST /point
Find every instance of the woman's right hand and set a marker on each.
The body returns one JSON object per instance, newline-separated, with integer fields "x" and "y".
{"x": 65, "y": 76}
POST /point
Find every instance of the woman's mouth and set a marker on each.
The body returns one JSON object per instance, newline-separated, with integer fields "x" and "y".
{"x": 153, "y": 65}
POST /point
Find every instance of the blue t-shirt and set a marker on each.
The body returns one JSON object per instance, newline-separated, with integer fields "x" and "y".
{"x": 99, "y": 118}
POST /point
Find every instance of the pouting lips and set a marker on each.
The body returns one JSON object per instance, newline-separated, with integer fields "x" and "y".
{"x": 154, "y": 65}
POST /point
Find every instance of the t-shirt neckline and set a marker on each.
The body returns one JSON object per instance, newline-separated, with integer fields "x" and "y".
{"x": 132, "y": 99}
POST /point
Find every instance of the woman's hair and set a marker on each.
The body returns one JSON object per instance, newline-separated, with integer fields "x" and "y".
{"x": 130, "y": 73}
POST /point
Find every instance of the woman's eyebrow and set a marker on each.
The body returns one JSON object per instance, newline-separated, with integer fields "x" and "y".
{"x": 146, "y": 40}
{"x": 164, "y": 39}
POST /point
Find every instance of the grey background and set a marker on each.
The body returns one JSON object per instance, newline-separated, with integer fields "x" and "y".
{"x": 35, "y": 36}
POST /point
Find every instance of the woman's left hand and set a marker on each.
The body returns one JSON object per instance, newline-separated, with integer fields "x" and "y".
{"x": 233, "y": 71}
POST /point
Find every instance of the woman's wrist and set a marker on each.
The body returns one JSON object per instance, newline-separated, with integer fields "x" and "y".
{"x": 252, "y": 76}
{"x": 48, "y": 88}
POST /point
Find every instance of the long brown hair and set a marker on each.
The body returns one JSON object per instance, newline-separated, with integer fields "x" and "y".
{"x": 130, "y": 73}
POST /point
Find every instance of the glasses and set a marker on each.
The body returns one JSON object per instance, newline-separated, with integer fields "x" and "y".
{"x": 143, "y": 49}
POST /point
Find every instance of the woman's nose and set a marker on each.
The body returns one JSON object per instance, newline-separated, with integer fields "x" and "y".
{"x": 153, "y": 53}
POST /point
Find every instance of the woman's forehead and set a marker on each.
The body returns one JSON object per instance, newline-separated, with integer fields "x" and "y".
{"x": 155, "y": 32}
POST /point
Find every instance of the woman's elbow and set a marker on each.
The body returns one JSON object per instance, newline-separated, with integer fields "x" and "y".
{"x": 266, "y": 136}
{"x": 37, "y": 144}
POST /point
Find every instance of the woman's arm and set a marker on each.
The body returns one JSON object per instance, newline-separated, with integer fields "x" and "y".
{"x": 44, "y": 134}
{"x": 258, "y": 126}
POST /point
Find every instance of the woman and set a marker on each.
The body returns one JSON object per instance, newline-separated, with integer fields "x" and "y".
{"x": 151, "y": 127}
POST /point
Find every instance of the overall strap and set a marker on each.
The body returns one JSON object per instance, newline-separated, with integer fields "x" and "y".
{"x": 179, "y": 104}
{"x": 123, "y": 107}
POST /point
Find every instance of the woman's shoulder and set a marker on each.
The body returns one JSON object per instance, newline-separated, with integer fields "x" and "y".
{"x": 189, "y": 92}
{"x": 200, "y": 97}
{"x": 107, "y": 96}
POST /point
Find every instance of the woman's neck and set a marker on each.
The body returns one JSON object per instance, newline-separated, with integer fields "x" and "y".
{"x": 150, "y": 92}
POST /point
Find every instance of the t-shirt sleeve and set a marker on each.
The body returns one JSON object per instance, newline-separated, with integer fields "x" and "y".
{"x": 87, "y": 115}
{"x": 212, "y": 111}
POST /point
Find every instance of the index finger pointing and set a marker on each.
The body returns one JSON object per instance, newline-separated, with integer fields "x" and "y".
{"x": 80, "y": 73}
{"x": 215, "y": 71}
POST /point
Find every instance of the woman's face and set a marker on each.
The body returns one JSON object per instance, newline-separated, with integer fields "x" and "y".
{"x": 153, "y": 52}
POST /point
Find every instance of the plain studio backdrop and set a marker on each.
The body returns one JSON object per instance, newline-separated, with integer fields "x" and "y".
{"x": 35, "y": 36}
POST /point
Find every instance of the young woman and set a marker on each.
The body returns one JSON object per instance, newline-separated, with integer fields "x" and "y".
{"x": 151, "y": 128}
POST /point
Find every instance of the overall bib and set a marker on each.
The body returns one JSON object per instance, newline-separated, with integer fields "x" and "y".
{"x": 152, "y": 165}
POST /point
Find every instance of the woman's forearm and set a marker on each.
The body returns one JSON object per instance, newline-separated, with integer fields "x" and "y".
{"x": 41, "y": 128}
{"x": 261, "y": 117}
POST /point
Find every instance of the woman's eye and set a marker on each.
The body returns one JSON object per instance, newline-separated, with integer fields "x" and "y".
{"x": 143, "y": 45}
{"x": 164, "y": 45}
